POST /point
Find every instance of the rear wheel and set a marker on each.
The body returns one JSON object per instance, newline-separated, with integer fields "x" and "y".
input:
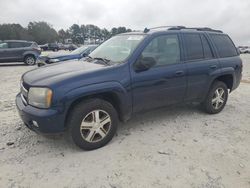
{"x": 30, "y": 60}
{"x": 92, "y": 123}
{"x": 216, "y": 98}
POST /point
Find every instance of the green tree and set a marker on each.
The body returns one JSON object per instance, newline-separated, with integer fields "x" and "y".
{"x": 42, "y": 32}
{"x": 13, "y": 31}
{"x": 76, "y": 34}
{"x": 63, "y": 35}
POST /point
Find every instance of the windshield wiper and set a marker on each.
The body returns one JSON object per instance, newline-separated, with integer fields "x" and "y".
{"x": 106, "y": 61}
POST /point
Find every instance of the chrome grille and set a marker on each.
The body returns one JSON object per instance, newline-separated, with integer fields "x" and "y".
{"x": 24, "y": 94}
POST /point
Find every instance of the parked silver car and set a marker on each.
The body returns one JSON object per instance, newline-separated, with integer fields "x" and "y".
{"x": 19, "y": 51}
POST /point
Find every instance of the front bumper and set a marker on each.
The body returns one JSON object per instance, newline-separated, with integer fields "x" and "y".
{"x": 47, "y": 120}
{"x": 40, "y": 62}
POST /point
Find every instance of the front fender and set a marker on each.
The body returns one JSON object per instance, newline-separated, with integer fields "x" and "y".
{"x": 124, "y": 97}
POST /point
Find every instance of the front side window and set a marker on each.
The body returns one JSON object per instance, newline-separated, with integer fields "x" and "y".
{"x": 118, "y": 48}
{"x": 3, "y": 45}
{"x": 164, "y": 50}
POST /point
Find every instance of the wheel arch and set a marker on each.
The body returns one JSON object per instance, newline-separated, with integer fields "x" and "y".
{"x": 116, "y": 97}
{"x": 228, "y": 79}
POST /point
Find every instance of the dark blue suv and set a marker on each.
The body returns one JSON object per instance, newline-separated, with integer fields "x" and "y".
{"x": 127, "y": 74}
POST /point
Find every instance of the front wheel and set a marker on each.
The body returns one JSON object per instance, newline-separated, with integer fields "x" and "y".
{"x": 216, "y": 98}
{"x": 92, "y": 123}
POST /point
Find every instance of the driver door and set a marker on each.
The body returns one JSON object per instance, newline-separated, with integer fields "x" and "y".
{"x": 164, "y": 83}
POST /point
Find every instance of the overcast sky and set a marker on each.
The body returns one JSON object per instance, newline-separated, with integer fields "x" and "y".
{"x": 231, "y": 16}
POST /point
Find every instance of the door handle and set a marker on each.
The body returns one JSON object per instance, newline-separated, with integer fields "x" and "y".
{"x": 213, "y": 66}
{"x": 179, "y": 73}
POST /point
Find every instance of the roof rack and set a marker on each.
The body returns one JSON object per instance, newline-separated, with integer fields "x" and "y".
{"x": 183, "y": 27}
{"x": 197, "y": 29}
{"x": 161, "y": 27}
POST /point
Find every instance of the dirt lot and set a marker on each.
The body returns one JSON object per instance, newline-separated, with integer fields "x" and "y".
{"x": 171, "y": 147}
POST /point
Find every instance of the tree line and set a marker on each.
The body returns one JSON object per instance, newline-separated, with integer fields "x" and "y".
{"x": 42, "y": 32}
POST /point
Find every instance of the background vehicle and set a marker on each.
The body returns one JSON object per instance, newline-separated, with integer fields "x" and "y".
{"x": 19, "y": 51}
{"x": 76, "y": 54}
{"x": 50, "y": 46}
{"x": 61, "y": 46}
{"x": 130, "y": 73}
{"x": 244, "y": 49}
{"x": 70, "y": 47}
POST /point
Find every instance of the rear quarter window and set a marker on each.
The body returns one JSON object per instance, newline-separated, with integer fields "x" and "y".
{"x": 224, "y": 45}
{"x": 26, "y": 44}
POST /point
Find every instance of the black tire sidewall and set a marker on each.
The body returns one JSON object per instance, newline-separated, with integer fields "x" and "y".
{"x": 80, "y": 111}
{"x": 208, "y": 102}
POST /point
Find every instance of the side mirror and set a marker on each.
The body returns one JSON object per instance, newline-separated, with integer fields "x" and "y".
{"x": 144, "y": 63}
{"x": 84, "y": 55}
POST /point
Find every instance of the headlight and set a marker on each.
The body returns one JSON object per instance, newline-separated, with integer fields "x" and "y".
{"x": 54, "y": 60}
{"x": 40, "y": 97}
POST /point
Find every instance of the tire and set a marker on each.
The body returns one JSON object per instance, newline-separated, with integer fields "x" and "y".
{"x": 83, "y": 124}
{"x": 213, "y": 103}
{"x": 30, "y": 60}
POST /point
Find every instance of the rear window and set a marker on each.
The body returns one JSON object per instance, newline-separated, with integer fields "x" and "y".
{"x": 224, "y": 45}
{"x": 193, "y": 46}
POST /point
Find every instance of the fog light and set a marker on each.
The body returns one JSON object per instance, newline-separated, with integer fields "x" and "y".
{"x": 35, "y": 124}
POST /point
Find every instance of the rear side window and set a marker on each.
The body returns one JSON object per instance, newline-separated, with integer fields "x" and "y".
{"x": 15, "y": 45}
{"x": 224, "y": 45}
{"x": 27, "y": 44}
{"x": 194, "y": 48}
{"x": 207, "y": 53}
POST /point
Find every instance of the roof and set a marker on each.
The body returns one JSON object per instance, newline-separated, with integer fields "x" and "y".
{"x": 17, "y": 41}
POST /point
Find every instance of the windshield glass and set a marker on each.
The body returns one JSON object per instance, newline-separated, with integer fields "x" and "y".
{"x": 79, "y": 50}
{"x": 118, "y": 48}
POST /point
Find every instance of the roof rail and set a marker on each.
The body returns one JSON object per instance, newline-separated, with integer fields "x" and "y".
{"x": 183, "y": 27}
{"x": 196, "y": 28}
{"x": 160, "y": 27}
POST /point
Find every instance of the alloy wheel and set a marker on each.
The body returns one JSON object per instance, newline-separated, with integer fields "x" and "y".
{"x": 95, "y": 126}
{"x": 30, "y": 61}
{"x": 218, "y": 98}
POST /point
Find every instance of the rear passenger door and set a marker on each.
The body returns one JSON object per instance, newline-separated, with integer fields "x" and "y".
{"x": 16, "y": 50}
{"x": 201, "y": 64}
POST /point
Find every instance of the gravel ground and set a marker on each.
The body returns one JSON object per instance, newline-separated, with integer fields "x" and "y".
{"x": 171, "y": 147}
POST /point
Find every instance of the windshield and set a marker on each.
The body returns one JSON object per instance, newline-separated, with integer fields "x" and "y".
{"x": 118, "y": 48}
{"x": 79, "y": 50}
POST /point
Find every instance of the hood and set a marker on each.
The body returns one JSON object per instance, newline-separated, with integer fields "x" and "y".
{"x": 59, "y": 56}
{"x": 52, "y": 74}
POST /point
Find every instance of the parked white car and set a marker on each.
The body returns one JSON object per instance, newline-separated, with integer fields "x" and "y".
{"x": 244, "y": 50}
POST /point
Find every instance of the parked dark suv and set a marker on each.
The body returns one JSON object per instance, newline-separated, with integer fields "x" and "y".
{"x": 50, "y": 46}
{"x": 129, "y": 73}
{"x": 19, "y": 51}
